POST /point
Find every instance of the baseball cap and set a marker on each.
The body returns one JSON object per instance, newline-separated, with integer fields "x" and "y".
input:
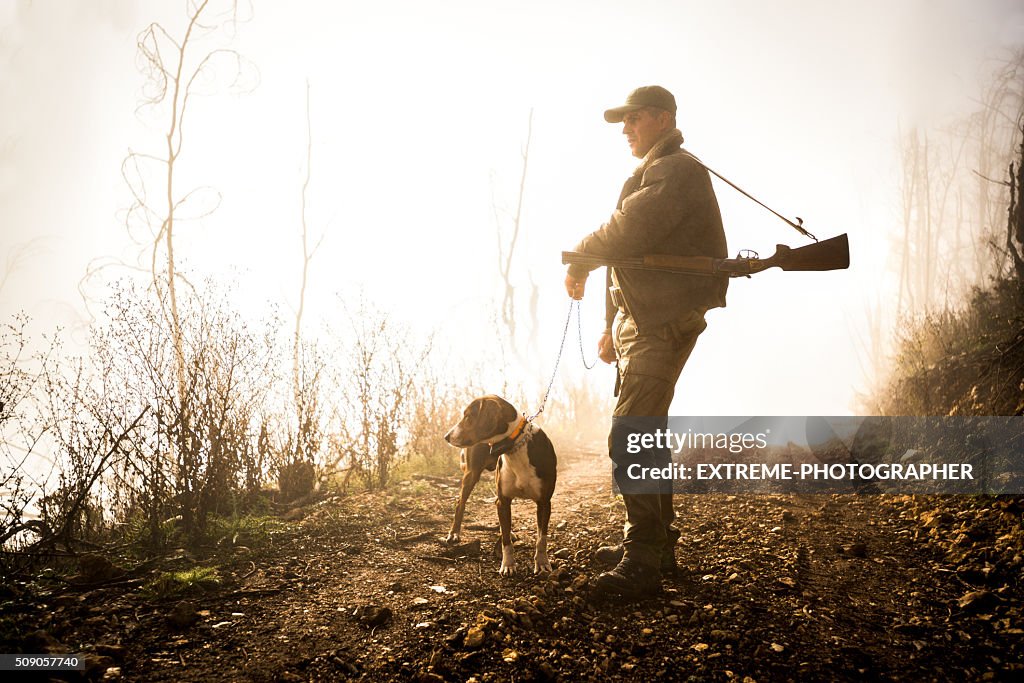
{"x": 644, "y": 96}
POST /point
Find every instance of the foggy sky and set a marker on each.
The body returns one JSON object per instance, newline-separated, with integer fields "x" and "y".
{"x": 419, "y": 113}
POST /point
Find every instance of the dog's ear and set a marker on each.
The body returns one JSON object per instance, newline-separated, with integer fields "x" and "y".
{"x": 489, "y": 417}
{"x": 507, "y": 412}
{"x": 499, "y": 413}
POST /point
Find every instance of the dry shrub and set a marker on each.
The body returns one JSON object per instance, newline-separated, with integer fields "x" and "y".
{"x": 380, "y": 383}
{"x": 200, "y": 451}
{"x": 967, "y": 362}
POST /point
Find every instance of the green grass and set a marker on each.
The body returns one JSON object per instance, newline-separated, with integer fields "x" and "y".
{"x": 182, "y": 583}
{"x": 247, "y": 530}
{"x": 444, "y": 464}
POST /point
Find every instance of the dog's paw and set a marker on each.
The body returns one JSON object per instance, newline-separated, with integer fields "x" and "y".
{"x": 452, "y": 537}
{"x": 508, "y": 562}
{"x": 541, "y": 566}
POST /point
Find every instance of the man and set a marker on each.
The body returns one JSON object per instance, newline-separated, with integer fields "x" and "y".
{"x": 666, "y": 207}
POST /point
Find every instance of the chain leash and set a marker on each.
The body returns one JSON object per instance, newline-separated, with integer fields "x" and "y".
{"x": 579, "y": 330}
{"x": 558, "y": 358}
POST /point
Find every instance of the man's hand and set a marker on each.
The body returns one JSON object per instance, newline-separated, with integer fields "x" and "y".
{"x": 575, "y": 287}
{"x": 605, "y": 348}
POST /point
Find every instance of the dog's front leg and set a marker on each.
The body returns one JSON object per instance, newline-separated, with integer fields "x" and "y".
{"x": 540, "y": 556}
{"x": 508, "y": 562}
{"x": 469, "y": 479}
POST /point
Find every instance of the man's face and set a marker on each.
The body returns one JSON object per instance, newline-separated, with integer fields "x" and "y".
{"x": 643, "y": 128}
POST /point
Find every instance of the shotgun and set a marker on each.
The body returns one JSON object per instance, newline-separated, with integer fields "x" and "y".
{"x": 831, "y": 254}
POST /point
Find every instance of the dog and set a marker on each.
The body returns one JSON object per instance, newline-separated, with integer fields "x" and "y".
{"x": 496, "y": 436}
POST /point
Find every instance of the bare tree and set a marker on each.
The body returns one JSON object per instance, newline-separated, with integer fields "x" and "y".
{"x": 176, "y": 71}
{"x": 953, "y": 208}
{"x": 1015, "y": 213}
{"x": 507, "y": 252}
{"x": 952, "y": 201}
{"x": 304, "y": 385}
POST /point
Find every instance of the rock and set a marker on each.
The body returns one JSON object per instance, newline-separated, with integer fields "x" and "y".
{"x": 977, "y": 601}
{"x": 475, "y": 637}
{"x": 472, "y": 548}
{"x": 509, "y": 655}
{"x": 183, "y": 615}
{"x": 858, "y": 549}
{"x": 373, "y": 616}
{"x": 608, "y": 555}
{"x": 561, "y": 525}
{"x": 112, "y": 674}
{"x": 428, "y": 677}
{"x": 935, "y": 518}
{"x": 722, "y": 636}
{"x": 777, "y": 648}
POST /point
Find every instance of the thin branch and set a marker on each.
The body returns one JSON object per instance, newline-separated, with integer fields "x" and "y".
{"x": 1004, "y": 183}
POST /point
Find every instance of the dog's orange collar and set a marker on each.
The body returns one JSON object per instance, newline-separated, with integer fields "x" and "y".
{"x": 518, "y": 430}
{"x": 509, "y": 442}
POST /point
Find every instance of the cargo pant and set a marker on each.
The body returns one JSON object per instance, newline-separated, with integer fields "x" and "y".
{"x": 649, "y": 364}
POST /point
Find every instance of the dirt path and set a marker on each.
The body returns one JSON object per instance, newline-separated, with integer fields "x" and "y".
{"x": 777, "y": 587}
